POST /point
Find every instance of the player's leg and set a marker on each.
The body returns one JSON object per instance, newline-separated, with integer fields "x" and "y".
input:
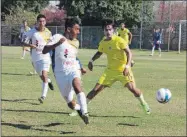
{"x": 159, "y": 50}
{"x": 106, "y": 80}
{"x": 23, "y": 53}
{"x": 130, "y": 84}
{"x": 153, "y": 48}
{"x": 98, "y": 88}
{"x": 44, "y": 66}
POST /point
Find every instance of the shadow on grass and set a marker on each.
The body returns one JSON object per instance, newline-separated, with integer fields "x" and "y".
{"x": 126, "y": 124}
{"x": 54, "y": 124}
{"x": 113, "y": 116}
{"x": 18, "y": 74}
{"x": 39, "y": 111}
{"x": 21, "y": 101}
{"x": 30, "y": 127}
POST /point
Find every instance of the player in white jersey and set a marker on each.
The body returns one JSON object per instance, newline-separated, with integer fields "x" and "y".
{"x": 66, "y": 71}
{"x": 39, "y": 36}
{"x": 24, "y": 28}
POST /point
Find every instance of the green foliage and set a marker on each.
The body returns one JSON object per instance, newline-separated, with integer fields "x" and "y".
{"x": 29, "y": 5}
{"x": 128, "y": 11}
{"x": 17, "y": 15}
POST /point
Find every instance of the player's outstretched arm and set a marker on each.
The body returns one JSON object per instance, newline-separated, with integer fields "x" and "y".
{"x": 96, "y": 56}
{"x": 49, "y": 47}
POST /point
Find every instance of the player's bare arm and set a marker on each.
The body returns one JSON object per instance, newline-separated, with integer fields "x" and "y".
{"x": 25, "y": 44}
{"x": 96, "y": 56}
{"x": 129, "y": 58}
{"x": 130, "y": 37}
{"x": 48, "y": 48}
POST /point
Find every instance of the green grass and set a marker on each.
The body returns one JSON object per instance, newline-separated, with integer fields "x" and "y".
{"x": 114, "y": 112}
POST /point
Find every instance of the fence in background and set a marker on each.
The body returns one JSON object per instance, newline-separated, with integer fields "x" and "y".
{"x": 91, "y": 35}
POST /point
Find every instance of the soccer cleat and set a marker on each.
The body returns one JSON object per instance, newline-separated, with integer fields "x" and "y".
{"x": 41, "y": 99}
{"x": 50, "y": 84}
{"x": 146, "y": 108}
{"x": 73, "y": 114}
{"x": 84, "y": 117}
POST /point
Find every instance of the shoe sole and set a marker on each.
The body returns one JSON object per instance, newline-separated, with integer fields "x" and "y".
{"x": 83, "y": 117}
{"x": 51, "y": 86}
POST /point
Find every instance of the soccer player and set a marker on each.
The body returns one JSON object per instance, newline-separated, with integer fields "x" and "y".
{"x": 66, "y": 71}
{"x": 119, "y": 65}
{"x": 124, "y": 33}
{"x": 39, "y": 36}
{"x": 24, "y": 29}
{"x": 156, "y": 41}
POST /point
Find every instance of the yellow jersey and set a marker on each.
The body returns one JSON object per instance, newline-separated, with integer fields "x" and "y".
{"x": 74, "y": 43}
{"x": 124, "y": 34}
{"x": 114, "y": 49}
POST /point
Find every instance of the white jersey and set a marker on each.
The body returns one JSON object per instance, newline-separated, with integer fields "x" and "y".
{"x": 65, "y": 55}
{"x": 39, "y": 39}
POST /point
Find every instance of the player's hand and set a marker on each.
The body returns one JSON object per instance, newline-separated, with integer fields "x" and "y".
{"x": 33, "y": 46}
{"x": 83, "y": 71}
{"x": 126, "y": 72}
{"x": 61, "y": 41}
{"x": 90, "y": 66}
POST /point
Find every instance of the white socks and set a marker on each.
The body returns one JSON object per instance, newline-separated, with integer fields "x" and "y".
{"x": 44, "y": 89}
{"x": 141, "y": 99}
{"x": 77, "y": 107}
{"x": 81, "y": 98}
{"x": 23, "y": 54}
{"x": 159, "y": 50}
{"x": 49, "y": 80}
{"x": 153, "y": 50}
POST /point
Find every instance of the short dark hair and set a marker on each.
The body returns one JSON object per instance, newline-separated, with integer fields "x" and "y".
{"x": 41, "y": 16}
{"x": 107, "y": 22}
{"x": 70, "y": 22}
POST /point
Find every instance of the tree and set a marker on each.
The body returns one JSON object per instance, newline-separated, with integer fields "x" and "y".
{"x": 54, "y": 16}
{"x": 29, "y": 5}
{"x": 95, "y": 10}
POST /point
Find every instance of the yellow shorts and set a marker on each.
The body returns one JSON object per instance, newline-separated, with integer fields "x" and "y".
{"x": 110, "y": 76}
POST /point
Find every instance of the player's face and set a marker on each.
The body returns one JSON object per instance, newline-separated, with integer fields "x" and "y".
{"x": 25, "y": 23}
{"x": 108, "y": 31}
{"x": 41, "y": 22}
{"x": 74, "y": 31}
{"x": 122, "y": 25}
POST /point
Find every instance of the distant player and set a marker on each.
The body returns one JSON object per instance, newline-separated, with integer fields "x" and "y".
{"x": 119, "y": 65}
{"x": 39, "y": 36}
{"x": 66, "y": 71}
{"x": 156, "y": 41}
{"x": 24, "y": 28}
{"x": 124, "y": 33}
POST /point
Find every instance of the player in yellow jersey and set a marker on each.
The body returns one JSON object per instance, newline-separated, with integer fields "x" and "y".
{"x": 119, "y": 65}
{"x": 124, "y": 33}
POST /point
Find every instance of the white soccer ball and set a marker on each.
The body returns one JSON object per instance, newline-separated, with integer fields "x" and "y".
{"x": 163, "y": 95}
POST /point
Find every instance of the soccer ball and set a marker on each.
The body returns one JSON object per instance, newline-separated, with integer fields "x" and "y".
{"x": 163, "y": 95}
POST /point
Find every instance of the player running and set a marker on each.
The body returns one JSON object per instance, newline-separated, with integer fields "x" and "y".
{"x": 66, "y": 72}
{"x": 24, "y": 28}
{"x": 119, "y": 65}
{"x": 39, "y": 36}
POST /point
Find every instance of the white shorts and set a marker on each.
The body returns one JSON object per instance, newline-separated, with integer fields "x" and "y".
{"x": 64, "y": 83}
{"x": 41, "y": 65}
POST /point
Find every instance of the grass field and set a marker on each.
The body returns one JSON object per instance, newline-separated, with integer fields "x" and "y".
{"x": 114, "y": 112}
